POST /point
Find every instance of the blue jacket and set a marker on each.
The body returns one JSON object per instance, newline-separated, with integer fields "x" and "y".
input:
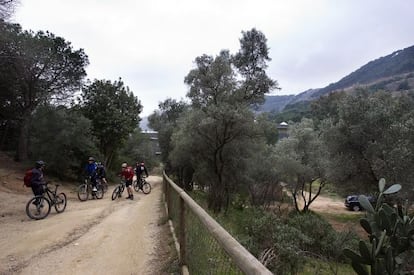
{"x": 90, "y": 169}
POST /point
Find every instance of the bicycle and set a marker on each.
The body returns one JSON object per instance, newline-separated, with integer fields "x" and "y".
{"x": 142, "y": 185}
{"x": 85, "y": 189}
{"x": 39, "y": 206}
{"x": 117, "y": 193}
{"x": 103, "y": 184}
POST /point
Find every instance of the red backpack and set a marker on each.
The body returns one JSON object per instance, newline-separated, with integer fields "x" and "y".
{"x": 27, "y": 180}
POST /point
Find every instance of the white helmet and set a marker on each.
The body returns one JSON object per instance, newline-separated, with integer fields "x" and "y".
{"x": 124, "y": 165}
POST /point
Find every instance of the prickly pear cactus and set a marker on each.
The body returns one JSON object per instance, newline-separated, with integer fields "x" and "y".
{"x": 391, "y": 236}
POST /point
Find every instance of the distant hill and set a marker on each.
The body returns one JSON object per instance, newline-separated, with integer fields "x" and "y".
{"x": 276, "y": 103}
{"x": 397, "y": 63}
{"x": 394, "y": 72}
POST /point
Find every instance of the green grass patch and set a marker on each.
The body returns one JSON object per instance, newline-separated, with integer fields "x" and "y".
{"x": 344, "y": 218}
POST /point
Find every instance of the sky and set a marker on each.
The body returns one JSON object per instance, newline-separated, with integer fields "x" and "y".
{"x": 152, "y": 44}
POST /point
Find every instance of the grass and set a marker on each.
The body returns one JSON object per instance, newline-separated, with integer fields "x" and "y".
{"x": 344, "y": 218}
{"x": 315, "y": 266}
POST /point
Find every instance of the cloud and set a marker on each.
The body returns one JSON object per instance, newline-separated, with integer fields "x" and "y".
{"x": 151, "y": 44}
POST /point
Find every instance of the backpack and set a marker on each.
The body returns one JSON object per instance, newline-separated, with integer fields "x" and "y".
{"x": 27, "y": 180}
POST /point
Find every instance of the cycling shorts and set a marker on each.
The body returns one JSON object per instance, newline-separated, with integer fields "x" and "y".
{"x": 128, "y": 183}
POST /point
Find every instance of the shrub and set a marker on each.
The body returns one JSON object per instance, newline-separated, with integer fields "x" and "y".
{"x": 277, "y": 244}
{"x": 325, "y": 242}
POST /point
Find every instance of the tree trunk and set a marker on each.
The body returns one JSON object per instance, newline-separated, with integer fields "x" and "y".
{"x": 4, "y": 136}
{"x": 23, "y": 142}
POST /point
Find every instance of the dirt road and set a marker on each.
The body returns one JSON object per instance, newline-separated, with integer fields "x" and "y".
{"x": 91, "y": 237}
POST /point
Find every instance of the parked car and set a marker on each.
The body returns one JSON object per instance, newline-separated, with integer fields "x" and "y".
{"x": 352, "y": 203}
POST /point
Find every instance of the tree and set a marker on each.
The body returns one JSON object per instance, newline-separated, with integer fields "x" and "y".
{"x": 138, "y": 147}
{"x": 165, "y": 122}
{"x": 220, "y": 126}
{"x": 264, "y": 182}
{"x": 7, "y": 8}
{"x": 268, "y": 127}
{"x": 218, "y": 145}
{"x": 63, "y": 138}
{"x": 36, "y": 68}
{"x": 114, "y": 112}
{"x": 300, "y": 161}
{"x": 371, "y": 138}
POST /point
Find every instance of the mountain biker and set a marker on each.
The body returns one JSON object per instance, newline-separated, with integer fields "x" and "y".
{"x": 90, "y": 171}
{"x": 37, "y": 181}
{"x": 101, "y": 172}
{"x": 128, "y": 173}
{"x": 140, "y": 169}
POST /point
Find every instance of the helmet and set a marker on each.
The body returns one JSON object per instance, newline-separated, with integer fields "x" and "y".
{"x": 124, "y": 165}
{"x": 91, "y": 159}
{"x": 40, "y": 163}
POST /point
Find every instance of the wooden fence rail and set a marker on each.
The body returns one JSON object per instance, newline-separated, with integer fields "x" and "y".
{"x": 242, "y": 258}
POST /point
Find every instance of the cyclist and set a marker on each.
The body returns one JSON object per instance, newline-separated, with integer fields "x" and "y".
{"x": 90, "y": 171}
{"x": 101, "y": 172}
{"x": 37, "y": 181}
{"x": 128, "y": 173}
{"x": 140, "y": 169}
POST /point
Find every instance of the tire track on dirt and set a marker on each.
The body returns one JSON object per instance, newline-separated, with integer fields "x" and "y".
{"x": 71, "y": 237}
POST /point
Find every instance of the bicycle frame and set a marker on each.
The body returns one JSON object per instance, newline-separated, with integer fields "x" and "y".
{"x": 51, "y": 195}
{"x": 122, "y": 186}
{"x": 118, "y": 190}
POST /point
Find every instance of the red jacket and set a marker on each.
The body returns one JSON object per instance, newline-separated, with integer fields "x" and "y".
{"x": 128, "y": 173}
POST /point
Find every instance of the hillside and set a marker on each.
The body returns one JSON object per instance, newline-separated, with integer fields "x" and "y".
{"x": 394, "y": 72}
{"x": 276, "y": 103}
{"x": 396, "y": 64}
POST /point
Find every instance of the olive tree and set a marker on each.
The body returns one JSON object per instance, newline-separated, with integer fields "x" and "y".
{"x": 301, "y": 163}
{"x": 370, "y": 138}
{"x": 220, "y": 127}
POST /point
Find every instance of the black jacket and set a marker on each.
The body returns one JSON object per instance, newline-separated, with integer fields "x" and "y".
{"x": 140, "y": 169}
{"x": 37, "y": 177}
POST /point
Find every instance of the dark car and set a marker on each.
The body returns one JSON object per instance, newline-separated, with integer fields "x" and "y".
{"x": 352, "y": 203}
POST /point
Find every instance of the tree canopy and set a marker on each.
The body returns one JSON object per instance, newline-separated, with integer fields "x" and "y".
{"x": 35, "y": 68}
{"x": 114, "y": 112}
{"x": 220, "y": 128}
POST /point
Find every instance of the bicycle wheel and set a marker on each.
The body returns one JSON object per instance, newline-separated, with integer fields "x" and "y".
{"x": 146, "y": 188}
{"x": 38, "y": 208}
{"x": 115, "y": 193}
{"x": 135, "y": 185}
{"x": 83, "y": 193}
{"x": 60, "y": 202}
{"x": 100, "y": 193}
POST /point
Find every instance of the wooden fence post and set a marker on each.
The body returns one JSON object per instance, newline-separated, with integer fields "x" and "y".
{"x": 182, "y": 237}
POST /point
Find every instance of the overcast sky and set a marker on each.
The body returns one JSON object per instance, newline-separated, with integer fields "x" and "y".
{"x": 151, "y": 44}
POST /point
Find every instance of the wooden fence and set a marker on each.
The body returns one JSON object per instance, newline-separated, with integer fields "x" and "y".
{"x": 194, "y": 227}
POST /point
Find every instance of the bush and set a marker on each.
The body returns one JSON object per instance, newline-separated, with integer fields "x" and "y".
{"x": 324, "y": 242}
{"x": 267, "y": 237}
